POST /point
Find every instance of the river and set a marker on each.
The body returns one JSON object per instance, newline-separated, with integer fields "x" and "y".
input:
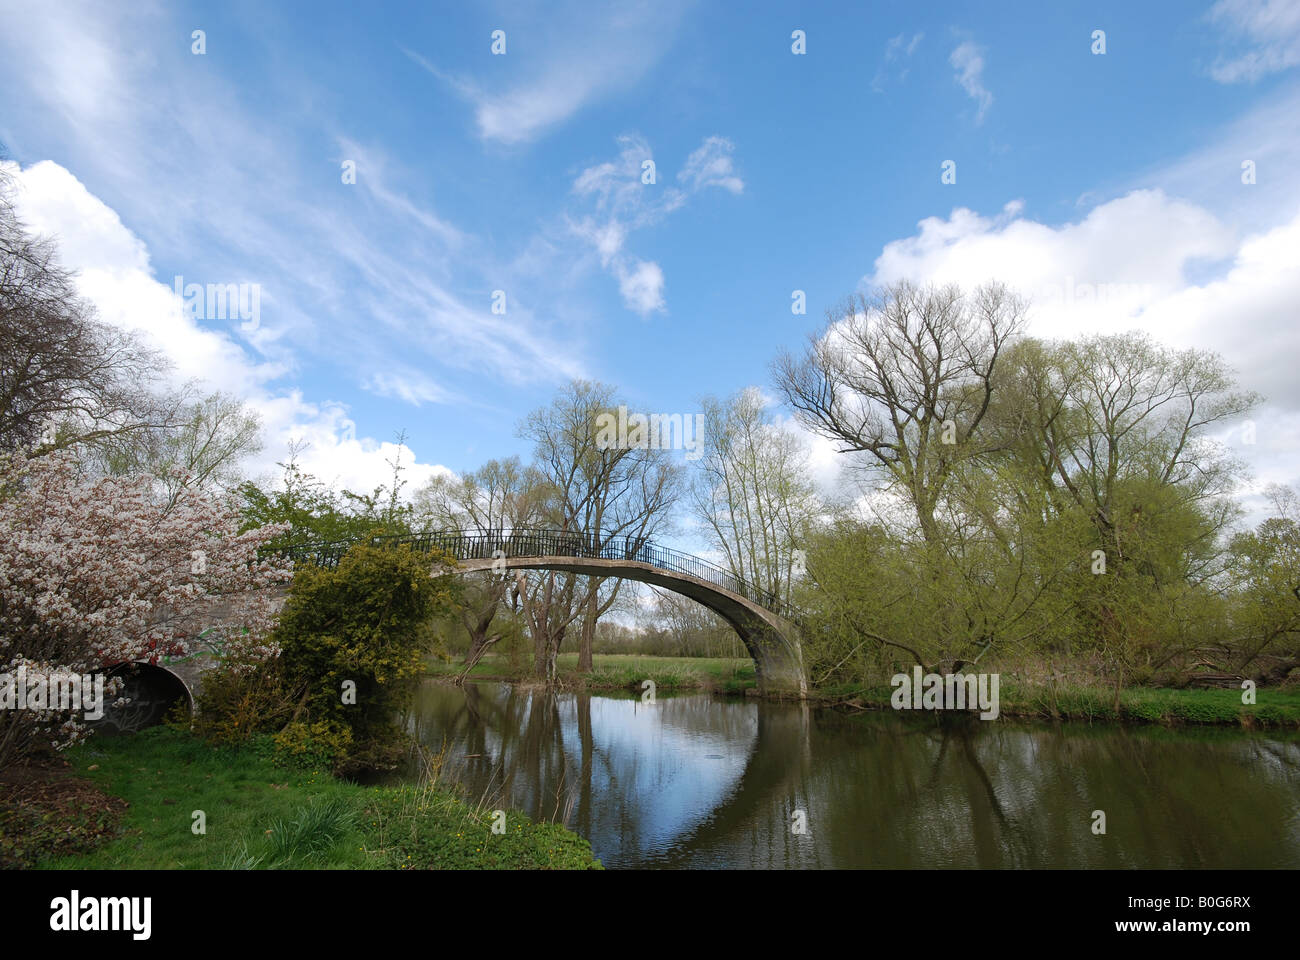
{"x": 698, "y": 781}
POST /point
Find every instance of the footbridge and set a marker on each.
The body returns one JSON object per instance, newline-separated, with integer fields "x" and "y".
{"x": 765, "y": 624}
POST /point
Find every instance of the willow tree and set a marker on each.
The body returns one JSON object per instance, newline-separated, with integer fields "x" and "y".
{"x": 903, "y": 382}
{"x": 905, "y": 377}
{"x": 597, "y": 491}
{"x": 499, "y": 497}
{"x": 1116, "y": 428}
{"x": 752, "y": 491}
{"x": 1266, "y": 595}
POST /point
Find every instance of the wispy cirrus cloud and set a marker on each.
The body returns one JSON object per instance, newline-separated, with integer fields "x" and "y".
{"x": 898, "y": 54}
{"x": 967, "y": 58}
{"x": 560, "y": 61}
{"x": 1269, "y": 28}
{"x": 624, "y": 201}
{"x": 710, "y": 166}
{"x": 351, "y": 276}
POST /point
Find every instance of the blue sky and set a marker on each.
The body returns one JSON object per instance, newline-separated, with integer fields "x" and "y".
{"x": 521, "y": 173}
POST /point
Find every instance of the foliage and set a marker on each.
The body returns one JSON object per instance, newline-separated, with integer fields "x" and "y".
{"x": 1265, "y": 574}
{"x": 352, "y": 637}
{"x": 1061, "y": 499}
{"x": 236, "y": 702}
{"x": 325, "y": 743}
{"x": 307, "y": 511}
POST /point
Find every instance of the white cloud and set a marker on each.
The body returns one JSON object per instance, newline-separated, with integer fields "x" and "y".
{"x": 115, "y": 274}
{"x": 968, "y": 60}
{"x": 410, "y": 386}
{"x": 618, "y": 188}
{"x": 1126, "y": 265}
{"x": 624, "y": 201}
{"x": 560, "y": 61}
{"x": 1136, "y": 247}
{"x": 898, "y": 50}
{"x": 1271, "y": 28}
{"x": 710, "y": 166}
{"x": 1211, "y": 175}
{"x": 242, "y": 200}
{"x": 642, "y": 285}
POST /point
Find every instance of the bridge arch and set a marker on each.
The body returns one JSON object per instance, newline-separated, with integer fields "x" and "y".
{"x": 152, "y": 690}
{"x": 772, "y": 642}
{"x": 760, "y": 619}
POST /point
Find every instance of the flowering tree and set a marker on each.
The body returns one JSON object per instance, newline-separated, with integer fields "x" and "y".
{"x": 96, "y": 571}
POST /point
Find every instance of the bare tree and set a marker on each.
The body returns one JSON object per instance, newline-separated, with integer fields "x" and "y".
{"x": 65, "y": 376}
{"x": 499, "y": 497}
{"x": 907, "y": 377}
{"x": 752, "y": 491}
{"x": 200, "y": 448}
{"x": 598, "y": 492}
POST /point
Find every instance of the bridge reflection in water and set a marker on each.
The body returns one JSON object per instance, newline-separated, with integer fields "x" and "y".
{"x": 695, "y": 781}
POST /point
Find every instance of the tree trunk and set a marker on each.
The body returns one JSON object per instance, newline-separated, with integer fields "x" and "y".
{"x": 472, "y": 661}
{"x": 588, "y": 633}
{"x": 478, "y": 631}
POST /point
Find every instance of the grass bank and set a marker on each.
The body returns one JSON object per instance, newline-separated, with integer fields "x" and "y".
{"x": 620, "y": 671}
{"x": 1274, "y": 707}
{"x": 257, "y": 815}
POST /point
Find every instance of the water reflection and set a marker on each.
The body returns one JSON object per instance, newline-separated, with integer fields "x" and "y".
{"x": 695, "y": 781}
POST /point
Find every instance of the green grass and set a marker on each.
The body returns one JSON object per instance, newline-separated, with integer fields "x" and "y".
{"x": 259, "y": 815}
{"x": 620, "y": 671}
{"x": 1274, "y": 707}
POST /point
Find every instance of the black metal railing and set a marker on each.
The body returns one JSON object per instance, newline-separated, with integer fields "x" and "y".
{"x": 478, "y": 545}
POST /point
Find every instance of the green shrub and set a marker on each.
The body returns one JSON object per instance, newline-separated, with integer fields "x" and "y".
{"x": 354, "y": 639}
{"x": 314, "y": 745}
{"x": 239, "y": 701}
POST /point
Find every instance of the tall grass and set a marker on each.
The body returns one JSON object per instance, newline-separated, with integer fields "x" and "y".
{"x": 314, "y": 832}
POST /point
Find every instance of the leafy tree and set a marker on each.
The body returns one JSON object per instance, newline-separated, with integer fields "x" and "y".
{"x": 1266, "y": 597}
{"x": 312, "y": 513}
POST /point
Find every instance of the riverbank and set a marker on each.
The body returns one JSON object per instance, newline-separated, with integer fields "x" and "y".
{"x": 257, "y": 815}
{"x": 619, "y": 671}
{"x": 1274, "y": 706}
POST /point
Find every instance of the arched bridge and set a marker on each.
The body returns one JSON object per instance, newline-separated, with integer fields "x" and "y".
{"x": 764, "y": 623}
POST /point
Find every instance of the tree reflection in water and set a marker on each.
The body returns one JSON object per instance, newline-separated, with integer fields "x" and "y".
{"x": 697, "y": 781}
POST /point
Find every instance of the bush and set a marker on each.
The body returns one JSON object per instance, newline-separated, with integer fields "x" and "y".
{"x": 237, "y": 702}
{"x": 353, "y": 639}
{"x": 320, "y": 744}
